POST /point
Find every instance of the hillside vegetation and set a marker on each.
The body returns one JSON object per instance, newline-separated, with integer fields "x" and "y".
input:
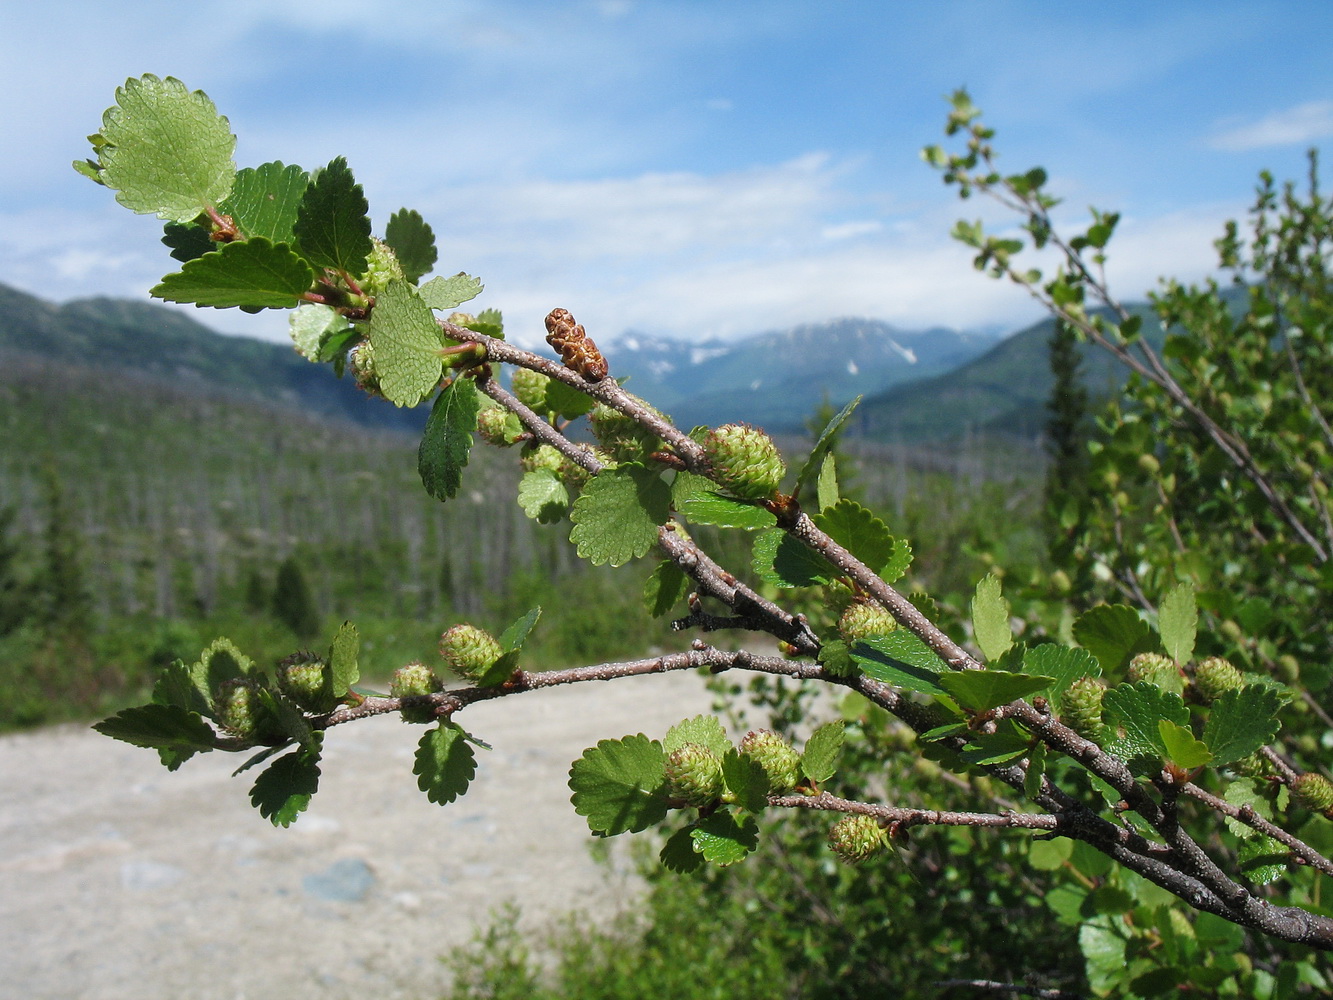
{"x": 170, "y": 511}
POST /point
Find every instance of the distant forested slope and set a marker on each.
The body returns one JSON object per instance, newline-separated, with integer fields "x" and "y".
{"x": 168, "y": 346}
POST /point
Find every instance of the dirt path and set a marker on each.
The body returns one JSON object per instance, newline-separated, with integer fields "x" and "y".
{"x": 122, "y": 880}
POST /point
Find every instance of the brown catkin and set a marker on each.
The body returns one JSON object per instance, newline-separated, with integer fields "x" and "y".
{"x": 576, "y": 348}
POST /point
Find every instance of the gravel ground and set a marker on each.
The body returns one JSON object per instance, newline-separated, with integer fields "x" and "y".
{"x": 122, "y": 880}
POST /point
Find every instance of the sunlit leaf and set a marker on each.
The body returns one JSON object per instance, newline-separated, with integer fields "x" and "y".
{"x": 620, "y": 785}
{"x": 166, "y": 151}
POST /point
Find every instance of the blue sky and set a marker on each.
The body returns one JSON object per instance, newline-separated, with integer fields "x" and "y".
{"x": 687, "y": 168}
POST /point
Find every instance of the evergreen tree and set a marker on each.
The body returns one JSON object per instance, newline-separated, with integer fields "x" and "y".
{"x": 1067, "y": 432}
{"x": 15, "y": 591}
{"x": 293, "y": 604}
{"x": 64, "y": 602}
{"x": 256, "y": 592}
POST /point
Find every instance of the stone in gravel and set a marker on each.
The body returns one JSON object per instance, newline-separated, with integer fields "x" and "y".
{"x": 345, "y": 881}
{"x": 149, "y": 875}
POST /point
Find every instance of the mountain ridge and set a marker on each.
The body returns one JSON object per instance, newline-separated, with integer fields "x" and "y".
{"x": 774, "y": 379}
{"x": 171, "y": 348}
{"x": 777, "y": 378}
{"x": 1003, "y": 391}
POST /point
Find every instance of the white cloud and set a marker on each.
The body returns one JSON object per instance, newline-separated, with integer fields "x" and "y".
{"x": 850, "y": 230}
{"x": 1177, "y": 245}
{"x": 683, "y": 253}
{"x": 661, "y": 215}
{"x": 1303, "y": 123}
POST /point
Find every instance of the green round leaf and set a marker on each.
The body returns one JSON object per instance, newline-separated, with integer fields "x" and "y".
{"x": 450, "y": 293}
{"x": 981, "y": 690}
{"x": 264, "y": 200}
{"x": 723, "y": 841}
{"x": 332, "y": 228}
{"x": 447, "y": 441}
{"x": 407, "y": 342}
{"x": 900, "y": 659}
{"x": 413, "y": 242}
{"x": 706, "y": 730}
{"x": 666, "y": 586}
{"x": 343, "y": 659}
{"x": 619, "y": 785}
{"x": 445, "y": 763}
{"x": 819, "y": 760}
{"x": 617, "y": 516}
{"x": 990, "y": 619}
{"x": 543, "y": 496}
{"x": 283, "y": 790}
{"x": 167, "y": 151}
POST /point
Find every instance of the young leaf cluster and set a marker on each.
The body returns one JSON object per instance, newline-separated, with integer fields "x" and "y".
{"x": 629, "y": 785}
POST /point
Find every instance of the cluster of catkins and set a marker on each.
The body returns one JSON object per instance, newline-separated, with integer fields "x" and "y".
{"x": 1212, "y": 677}
{"x": 694, "y": 780}
{"x": 1081, "y": 703}
{"x": 247, "y": 706}
{"x": 467, "y": 650}
{"x": 743, "y": 460}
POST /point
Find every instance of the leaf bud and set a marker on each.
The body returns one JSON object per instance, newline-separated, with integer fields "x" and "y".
{"x": 1256, "y": 765}
{"x": 1214, "y": 677}
{"x": 530, "y": 389}
{"x": 544, "y": 456}
{"x": 621, "y": 435}
{"x": 862, "y": 619}
{"x": 304, "y": 678}
{"x": 837, "y": 597}
{"x": 1156, "y": 669}
{"x": 382, "y": 267}
{"x": 494, "y": 426}
{"x": 856, "y": 838}
{"x": 412, "y": 680}
{"x": 1081, "y": 706}
{"x": 576, "y": 476}
{"x": 237, "y": 708}
{"x": 780, "y": 762}
{"x": 468, "y": 650}
{"x": 744, "y": 460}
{"x": 1313, "y": 791}
{"x": 694, "y": 775}
{"x": 1148, "y": 463}
{"x": 361, "y": 362}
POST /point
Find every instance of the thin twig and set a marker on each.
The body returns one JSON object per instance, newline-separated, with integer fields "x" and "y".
{"x": 905, "y": 816}
{"x": 903, "y": 611}
{"x": 1246, "y": 814}
{"x": 606, "y": 391}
